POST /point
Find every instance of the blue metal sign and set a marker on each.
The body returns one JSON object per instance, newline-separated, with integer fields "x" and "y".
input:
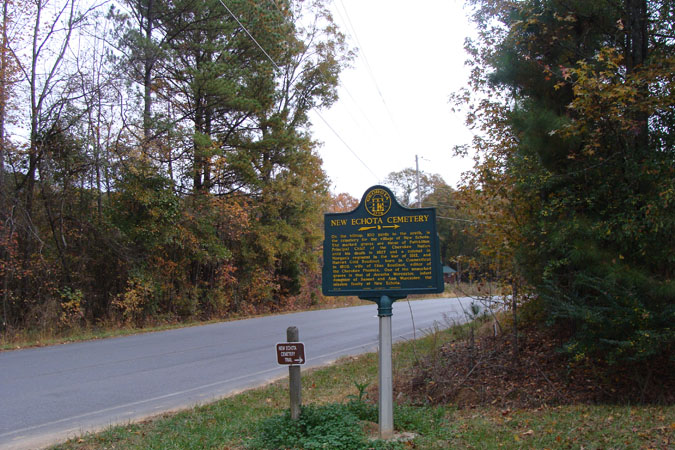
{"x": 381, "y": 249}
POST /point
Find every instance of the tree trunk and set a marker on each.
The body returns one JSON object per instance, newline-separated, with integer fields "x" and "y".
{"x": 4, "y": 95}
{"x": 149, "y": 61}
{"x": 514, "y": 307}
{"x": 636, "y": 56}
{"x": 207, "y": 157}
{"x": 636, "y": 34}
{"x": 198, "y": 151}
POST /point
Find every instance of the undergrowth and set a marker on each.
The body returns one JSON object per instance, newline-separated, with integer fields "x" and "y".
{"x": 336, "y": 426}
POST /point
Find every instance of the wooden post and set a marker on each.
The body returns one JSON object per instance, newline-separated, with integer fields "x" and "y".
{"x": 295, "y": 386}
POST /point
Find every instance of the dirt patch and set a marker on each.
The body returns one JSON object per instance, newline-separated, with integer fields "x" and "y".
{"x": 492, "y": 372}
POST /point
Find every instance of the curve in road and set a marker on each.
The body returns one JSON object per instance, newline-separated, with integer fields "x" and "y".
{"x": 54, "y": 393}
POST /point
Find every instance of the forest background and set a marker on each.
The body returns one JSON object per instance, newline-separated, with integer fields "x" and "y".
{"x": 156, "y": 164}
{"x": 156, "y": 159}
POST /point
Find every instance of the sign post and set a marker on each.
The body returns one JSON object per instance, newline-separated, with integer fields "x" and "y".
{"x": 386, "y": 397}
{"x": 382, "y": 252}
{"x": 292, "y": 354}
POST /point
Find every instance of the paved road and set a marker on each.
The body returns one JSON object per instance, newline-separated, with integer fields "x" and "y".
{"x": 53, "y": 393}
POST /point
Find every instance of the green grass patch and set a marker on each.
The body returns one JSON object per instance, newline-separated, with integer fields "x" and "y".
{"x": 575, "y": 426}
{"x": 337, "y": 392}
{"x": 44, "y": 338}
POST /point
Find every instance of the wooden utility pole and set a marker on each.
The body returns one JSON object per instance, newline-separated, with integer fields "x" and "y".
{"x": 417, "y": 180}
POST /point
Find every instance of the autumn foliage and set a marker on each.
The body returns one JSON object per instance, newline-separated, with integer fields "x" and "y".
{"x": 165, "y": 172}
{"x": 572, "y": 104}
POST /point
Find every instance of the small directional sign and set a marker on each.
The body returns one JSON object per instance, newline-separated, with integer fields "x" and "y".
{"x": 290, "y": 353}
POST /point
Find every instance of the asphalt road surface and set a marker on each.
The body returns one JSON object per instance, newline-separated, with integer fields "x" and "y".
{"x": 53, "y": 393}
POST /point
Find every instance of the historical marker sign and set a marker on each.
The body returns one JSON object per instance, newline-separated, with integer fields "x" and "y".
{"x": 290, "y": 353}
{"x": 381, "y": 248}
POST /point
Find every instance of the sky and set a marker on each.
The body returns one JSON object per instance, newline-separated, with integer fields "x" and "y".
{"x": 394, "y": 101}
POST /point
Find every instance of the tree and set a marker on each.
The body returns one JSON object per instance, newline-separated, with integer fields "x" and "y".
{"x": 167, "y": 168}
{"x": 142, "y": 44}
{"x": 8, "y": 79}
{"x": 343, "y": 202}
{"x": 452, "y": 219}
{"x": 39, "y": 97}
{"x": 274, "y": 158}
{"x": 574, "y": 102}
{"x": 43, "y": 78}
{"x": 217, "y": 77}
{"x": 453, "y": 223}
{"x": 404, "y": 184}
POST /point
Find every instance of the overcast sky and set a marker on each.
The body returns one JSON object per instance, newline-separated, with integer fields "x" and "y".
{"x": 394, "y": 101}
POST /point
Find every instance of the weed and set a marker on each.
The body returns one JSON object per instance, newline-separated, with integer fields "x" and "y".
{"x": 334, "y": 426}
{"x": 361, "y": 387}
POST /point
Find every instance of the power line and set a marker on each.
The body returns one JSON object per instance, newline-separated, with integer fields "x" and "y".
{"x": 249, "y": 34}
{"x": 345, "y": 144}
{"x": 346, "y": 89}
{"x": 363, "y": 112}
{"x": 462, "y": 220}
{"x": 365, "y": 59}
{"x": 279, "y": 69}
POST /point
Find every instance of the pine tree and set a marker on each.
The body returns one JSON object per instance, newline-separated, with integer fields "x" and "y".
{"x": 582, "y": 102}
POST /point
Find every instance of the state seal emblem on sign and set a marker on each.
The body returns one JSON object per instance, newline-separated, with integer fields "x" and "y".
{"x": 378, "y": 202}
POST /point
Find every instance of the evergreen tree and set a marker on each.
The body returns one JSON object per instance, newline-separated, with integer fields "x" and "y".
{"x": 581, "y": 101}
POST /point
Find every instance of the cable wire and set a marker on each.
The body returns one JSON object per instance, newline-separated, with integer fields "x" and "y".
{"x": 462, "y": 220}
{"x": 279, "y": 69}
{"x": 250, "y": 35}
{"x": 345, "y": 144}
{"x": 365, "y": 59}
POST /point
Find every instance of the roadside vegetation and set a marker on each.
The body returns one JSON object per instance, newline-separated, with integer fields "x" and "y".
{"x": 572, "y": 195}
{"x": 33, "y": 337}
{"x": 199, "y": 196}
{"x": 340, "y": 410}
{"x": 156, "y": 161}
{"x": 39, "y": 337}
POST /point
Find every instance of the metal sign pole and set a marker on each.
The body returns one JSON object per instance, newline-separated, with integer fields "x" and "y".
{"x": 382, "y": 251}
{"x": 386, "y": 400}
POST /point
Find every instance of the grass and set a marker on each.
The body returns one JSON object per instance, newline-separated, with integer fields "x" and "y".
{"x": 575, "y": 426}
{"x": 42, "y": 338}
{"x": 231, "y": 422}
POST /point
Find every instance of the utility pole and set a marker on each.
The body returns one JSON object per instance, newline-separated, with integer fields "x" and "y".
{"x": 417, "y": 177}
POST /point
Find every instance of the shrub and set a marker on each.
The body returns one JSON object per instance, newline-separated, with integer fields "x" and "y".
{"x": 333, "y": 426}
